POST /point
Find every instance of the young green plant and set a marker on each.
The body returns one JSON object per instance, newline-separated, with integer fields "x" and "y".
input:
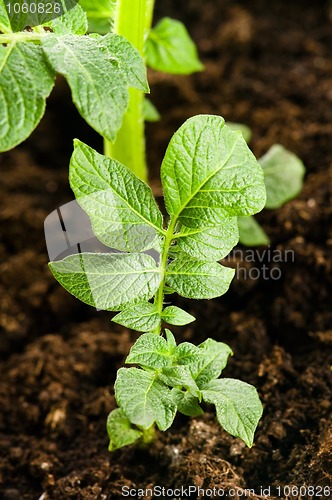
{"x": 209, "y": 178}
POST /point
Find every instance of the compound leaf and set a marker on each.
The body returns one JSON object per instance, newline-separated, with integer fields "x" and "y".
{"x": 209, "y": 174}
{"x": 144, "y": 399}
{"x": 283, "y": 173}
{"x": 97, "y": 76}
{"x": 151, "y": 351}
{"x": 186, "y": 403}
{"x": 26, "y": 79}
{"x": 252, "y": 233}
{"x": 142, "y": 317}
{"x": 238, "y": 407}
{"x": 108, "y": 281}
{"x": 122, "y": 209}
{"x": 169, "y": 48}
{"x": 120, "y": 430}
{"x": 212, "y": 243}
{"x": 174, "y": 315}
{"x": 196, "y": 279}
{"x": 213, "y": 357}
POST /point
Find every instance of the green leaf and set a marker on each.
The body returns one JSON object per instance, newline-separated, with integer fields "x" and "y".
{"x": 195, "y": 279}
{"x": 238, "y": 407}
{"x": 170, "y": 340}
{"x": 108, "y": 281}
{"x": 176, "y": 316}
{"x": 212, "y": 243}
{"x": 120, "y": 430}
{"x": 144, "y": 399}
{"x": 5, "y": 25}
{"x": 169, "y": 48}
{"x": 26, "y": 79}
{"x": 284, "y": 173}
{"x": 97, "y": 75}
{"x": 100, "y": 14}
{"x": 252, "y": 233}
{"x": 186, "y": 403}
{"x": 179, "y": 376}
{"x": 142, "y": 317}
{"x": 213, "y": 357}
{"x": 123, "y": 212}
{"x": 209, "y": 174}
{"x": 244, "y": 129}
{"x": 151, "y": 351}
{"x": 186, "y": 354}
{"x": 150, "y": 112}
{"x": 72, "y": 21}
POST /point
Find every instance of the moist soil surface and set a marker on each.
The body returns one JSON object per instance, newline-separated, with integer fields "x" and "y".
{"x": 269, "y": 65}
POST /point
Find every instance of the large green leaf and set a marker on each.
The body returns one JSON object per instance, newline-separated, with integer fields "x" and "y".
{"x": 212, "y": 243}
{"x": 97, "y": 75}
{"x": 252, "y": 233}
{"x": 169, "y": 48}
{"x": 209, "y": 174}
{"x": 121, "y": 207}
{"x": 238, "y": 407}
{"x": 284, "y": 173}
{"x": 108, "y": 281}
{"x": 196, "y": 279}
{"x": 26, "y": 79}
{"x": 144, "y": 399}
{"x": 5, "y": 25}
{"x": 120, "y": 430}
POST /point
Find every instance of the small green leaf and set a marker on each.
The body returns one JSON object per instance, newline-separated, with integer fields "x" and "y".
{"x": 100, "y": 14}
{"x": 144, "y": 399}
{"x": 170, "y": 340}
{"x": 186, "y": 403}
{"x": 26, "y": 79}
{"x": 108, "y": 281}
{"x": 252, "y": 233}
{"x": 150, "y": 112}
{"x": 169, "y": 48}
{"x": 151, "y": 351}
{"x": 213, "y": 357}
{"x": 209, "y": 174}
{"x": 120, "y": 430}
{"x": 123, "y": 212}
{"x": 284, "y": 173}
{"x": 244, "y": 129}
{"x": 238, "y": 407}
{"x": 212, "y": 243}
{"x": 176, "y": 316}
{"x": 195, "y": 279}
{"x": 179, "y": 376}
{"x": 142, "y": 317}
{"x": 99, "y": 90}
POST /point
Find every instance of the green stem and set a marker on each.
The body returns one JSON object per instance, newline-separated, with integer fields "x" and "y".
{"x": 132, "y": 20}
{"x": 159, "y": 297}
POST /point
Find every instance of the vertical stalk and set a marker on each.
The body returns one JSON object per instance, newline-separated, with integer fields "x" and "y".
{"x": 132, "y": 20}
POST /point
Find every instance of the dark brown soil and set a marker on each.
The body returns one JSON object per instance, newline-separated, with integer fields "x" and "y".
{"x": 269, "y": 65}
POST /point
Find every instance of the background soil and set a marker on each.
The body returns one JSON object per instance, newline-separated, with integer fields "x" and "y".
{"x": 269, "y": 65}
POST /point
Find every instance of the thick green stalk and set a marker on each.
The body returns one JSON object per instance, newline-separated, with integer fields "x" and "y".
{"x": 132, "y": 20}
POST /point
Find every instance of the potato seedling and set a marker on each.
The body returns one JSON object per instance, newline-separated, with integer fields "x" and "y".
{"x": 209, "y": 178}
